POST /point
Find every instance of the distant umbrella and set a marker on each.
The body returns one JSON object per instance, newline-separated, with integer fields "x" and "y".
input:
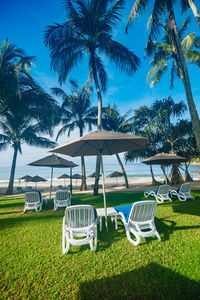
{"x": 53, "y": 161}
{"x": 93, "y": 175}
{"x": 77, "y": 176}
{"x": 37, "y": 179}
{"x": 26, "y": 178}
{"x": 164, "y": 159}
{"x": 115, "y": 174}
{"x": 64, "y": 176}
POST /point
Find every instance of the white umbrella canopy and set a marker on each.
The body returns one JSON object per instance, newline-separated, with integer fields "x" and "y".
{"x": 101, "y": 143}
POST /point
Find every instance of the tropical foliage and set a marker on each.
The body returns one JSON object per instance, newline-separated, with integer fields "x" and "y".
{"x": 160, "y": 9}
{"x": 76, "y": 113}
{"x": 88, "y": 30}
{"x": 113, "y": 121}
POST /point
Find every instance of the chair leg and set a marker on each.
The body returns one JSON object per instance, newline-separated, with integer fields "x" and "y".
{"x": 158, "y": 235}
{"x": 138, "y": 239}
{"x": 93, "y": 241}
{"x": 65, "y": 241}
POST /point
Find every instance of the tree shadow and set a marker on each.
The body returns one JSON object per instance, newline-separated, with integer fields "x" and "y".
{"x": 189, "y": 207}
{"x": 150, "y": 282}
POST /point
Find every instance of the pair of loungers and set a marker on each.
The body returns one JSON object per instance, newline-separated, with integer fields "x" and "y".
{"x": 33, "y": 200}
{"x": 165, "y": 193}
{"x": 80, "y": 221}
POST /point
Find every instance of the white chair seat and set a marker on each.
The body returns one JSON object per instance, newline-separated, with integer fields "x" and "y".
{"x": 33, "y": 200}
{"x": 161, "y": 194}
{"x": 62, "y": 199}
{"x": 183, "y": 192}
{"x": 139, "y": 217}
{"x": 79, "y": 222}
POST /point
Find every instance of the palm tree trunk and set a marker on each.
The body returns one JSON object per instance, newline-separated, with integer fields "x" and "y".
{"x": 195, "y": 11}
{"x": 83, "y": 181}
{"x": 12, "y": 173}
{"x": 154, "y": 181}
{"x": 186, "y": 81}
{"x": 123, "y": 171}
{"x": 99, "y": 120}
{"x": 165, "y": 175}
{"x": 187, "y": 174}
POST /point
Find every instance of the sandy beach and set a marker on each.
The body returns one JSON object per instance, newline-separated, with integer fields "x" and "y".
{"x": 111, "y": 185}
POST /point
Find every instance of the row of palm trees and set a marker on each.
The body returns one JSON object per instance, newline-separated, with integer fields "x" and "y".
{"x": 88, "y": 31}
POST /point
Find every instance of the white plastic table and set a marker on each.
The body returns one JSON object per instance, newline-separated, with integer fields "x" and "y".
{"x": 111, "y": 212}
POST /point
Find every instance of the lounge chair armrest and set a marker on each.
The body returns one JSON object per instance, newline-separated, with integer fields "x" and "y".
{"x": 122, "y": 217}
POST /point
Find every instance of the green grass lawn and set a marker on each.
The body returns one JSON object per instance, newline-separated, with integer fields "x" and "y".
{"x": 32, "y": 265}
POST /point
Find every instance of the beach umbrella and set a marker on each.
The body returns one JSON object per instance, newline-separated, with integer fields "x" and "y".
{"x": 101, "y": 143}
{"x": 115, "y": 174}
{"x": 54, "y": 161}
{"x": 64, "y": 176}
{"x": 164, "y": 159}
{"x": 26, "y": 178}
{"x": 77, "y": 176}
{"x": 37, "y": 179}
{"x": 93, "y": 175}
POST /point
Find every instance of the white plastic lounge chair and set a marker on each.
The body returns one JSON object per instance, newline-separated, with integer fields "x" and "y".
{"x": 183, "y": 192}
{"x": 62, "y": 199}
{"x": 161, "y": 194}
{"x": 138, "y": 217}
{"x": 33, "y": 200}
{"x": 79, "y": 221}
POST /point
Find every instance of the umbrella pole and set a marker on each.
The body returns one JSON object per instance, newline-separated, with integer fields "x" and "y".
{"x": 104, "y": 194}
{"x": 51, "y": 182}
{"x": 71, "y": 181}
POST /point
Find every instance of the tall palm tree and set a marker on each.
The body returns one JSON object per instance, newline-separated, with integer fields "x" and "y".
{"x": 113, "y": 121}
{"x": 159, "y": 10}
{"x": 77, "y": 112}
{"x": 88, "y": 31}
{"x": 19, "y": 127}
{"x": 13, "y": 62}
{"x": 165, "y": 52}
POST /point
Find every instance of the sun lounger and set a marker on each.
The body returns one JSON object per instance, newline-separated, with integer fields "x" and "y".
{"x": 138, "y": 219}
{"x": 79, "y": 222}
{"x": 183, "y": 192}
{"x": 62, "y": 199}
{"x": 33, "y": 200}
{"x": 161, "y": 194}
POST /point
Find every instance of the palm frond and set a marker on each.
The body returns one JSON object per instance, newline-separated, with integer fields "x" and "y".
{"x": 156, "y": 72}
{"x": 138, "y": 7}
{"x": 193, "y": 56}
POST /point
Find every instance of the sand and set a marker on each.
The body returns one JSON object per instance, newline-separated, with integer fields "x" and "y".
{"x": 111, "y": 185}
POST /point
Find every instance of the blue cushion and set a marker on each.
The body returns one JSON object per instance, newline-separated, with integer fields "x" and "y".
{"x": 125, "y": 209}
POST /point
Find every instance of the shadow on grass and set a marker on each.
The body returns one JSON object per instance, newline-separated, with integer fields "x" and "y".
{"x": 189, "y": 207}
{"x": 150, "y": 282}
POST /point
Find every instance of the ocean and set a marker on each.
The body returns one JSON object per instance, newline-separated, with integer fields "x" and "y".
{"x": 134, "y": 171}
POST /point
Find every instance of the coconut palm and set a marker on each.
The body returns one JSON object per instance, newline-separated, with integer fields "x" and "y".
{"x": 26, "y": 117}
{"x": 17, "y": 128}
{"x": 158, "y": 11}
{"x": 165, "y": 54}
{"x": 87, "y": 31}
{"x": 13, "y": 62}
{"x": 77, "y": 113}
{"x": 113, "y": 121}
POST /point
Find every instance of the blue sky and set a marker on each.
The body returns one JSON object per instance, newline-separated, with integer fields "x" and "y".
{"x": 23, "y": 22}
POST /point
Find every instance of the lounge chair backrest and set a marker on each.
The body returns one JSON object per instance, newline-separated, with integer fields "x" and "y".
{"x": 79, "y": 216}
{"x": 142, "y": 211}
{"x": 163, "y": 189}
{"x": 185, "y": 188}
{"x": 60, "y": 187}
{"x": 32, "y": 197}
{"x": 62, "y": 195}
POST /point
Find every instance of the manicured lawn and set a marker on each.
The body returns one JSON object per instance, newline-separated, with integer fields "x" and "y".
{"x": 32, "y": 265}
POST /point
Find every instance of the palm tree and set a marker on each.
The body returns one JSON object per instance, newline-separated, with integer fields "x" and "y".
{"x": 165, "y": 52}
{"x": 113, "y": 121}
{"x": 17, "y": 128}
{"x": 77, "y": 112}
{"x": 88, "y": 31}
{"x": 13, "y": 62}
{"x": 159, "y": 9}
